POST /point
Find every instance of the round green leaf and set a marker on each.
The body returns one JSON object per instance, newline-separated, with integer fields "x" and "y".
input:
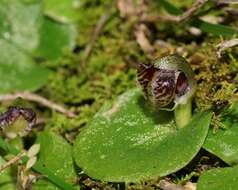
{"x": 56, "y": 155}
{"x": 25, "y": 26}
{"x": 62, "y": 10}
{"x": 224, "y": 144}
{"x": 19, "y": 23}
{"x": 219, "y": 179}
{"x": 18, "y": 71}
{"x": 54, "y": 39}
{"x": 128, "y": 141}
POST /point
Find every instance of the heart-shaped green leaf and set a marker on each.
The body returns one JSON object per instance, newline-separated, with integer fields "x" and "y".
{"x": 56, "y": 155}
{"x": 128, "y": 141}
{"x": 219, "y": 179}
{"x": 18, "y": 71}
{"x": 224, "y": 142}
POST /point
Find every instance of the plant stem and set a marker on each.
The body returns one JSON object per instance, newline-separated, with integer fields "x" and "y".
{"x": 183, "y": 114}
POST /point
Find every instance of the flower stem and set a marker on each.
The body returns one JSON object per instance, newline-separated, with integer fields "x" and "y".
{"x": 183, "y": 113}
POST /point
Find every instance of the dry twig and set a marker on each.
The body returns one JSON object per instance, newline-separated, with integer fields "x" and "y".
{"x": 231, "y": 11}
{"x": 38, "y": 99}
{"x": 225, "y": 45}
{"x": 130, "y": 8}
{"x": 166, "y": 185}
{"x": 96, "y": 33}
{"x": 12, "y": 161}
{"x": 226, "y": 2}
{"x": 141, "y": 38}
{"x": 178, "y": 19}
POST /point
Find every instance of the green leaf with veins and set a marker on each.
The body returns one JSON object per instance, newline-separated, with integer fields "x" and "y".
{"x": 128, "y": 141}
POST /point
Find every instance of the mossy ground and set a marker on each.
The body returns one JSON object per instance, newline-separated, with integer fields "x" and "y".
{"x": 111, "y": 70}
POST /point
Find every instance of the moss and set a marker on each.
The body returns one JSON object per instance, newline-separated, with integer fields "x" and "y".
{"x": 214, "y": 78}
{"x": 111, "y": 70}
{"x": 107, "y": 73}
